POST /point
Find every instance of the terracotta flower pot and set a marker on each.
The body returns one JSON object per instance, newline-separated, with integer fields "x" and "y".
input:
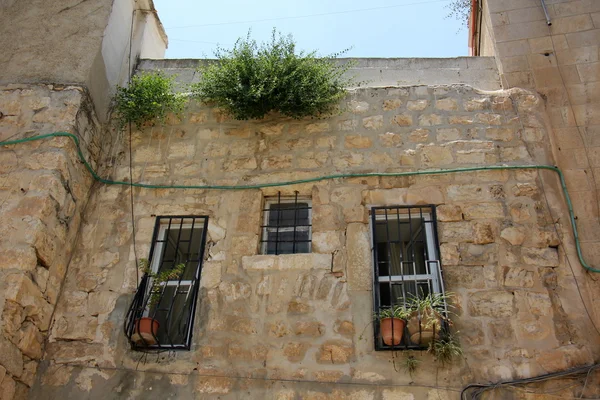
{"x": 422, "y": 331}
{"x": 391, "y": 330}
{"x": 145, "y": 331}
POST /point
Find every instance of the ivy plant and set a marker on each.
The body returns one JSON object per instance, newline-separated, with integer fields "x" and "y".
{"x": 149, "y": 98}
{"x": 252, "y": 80}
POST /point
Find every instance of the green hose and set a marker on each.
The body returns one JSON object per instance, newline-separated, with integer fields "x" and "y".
{"x": 326, "y": 177}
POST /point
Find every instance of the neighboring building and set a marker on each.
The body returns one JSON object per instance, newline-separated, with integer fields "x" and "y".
{"x": 248, "y": 320}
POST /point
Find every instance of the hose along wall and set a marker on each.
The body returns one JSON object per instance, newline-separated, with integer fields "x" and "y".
{"x": 326, "y": 177}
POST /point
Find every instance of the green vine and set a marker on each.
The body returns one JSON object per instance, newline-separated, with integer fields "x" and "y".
{"x": 149, "y": 98}
{"x": 252, "y": 80}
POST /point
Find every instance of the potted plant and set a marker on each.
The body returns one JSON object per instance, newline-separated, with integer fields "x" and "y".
{"x": 392, "y": 321}
{"x": 426, "y": 317}
{"x": 146, "y": 329}
{"x": 446, "y": 348}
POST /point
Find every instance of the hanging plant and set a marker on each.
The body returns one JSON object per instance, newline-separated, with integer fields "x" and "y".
{"x": 252, "y": 80}
{"x": 148, "y": 99}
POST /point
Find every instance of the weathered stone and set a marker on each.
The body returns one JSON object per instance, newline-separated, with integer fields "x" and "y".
{"x": 449, "y": 213}
{"x": 358, "y": 142}
{"x": 518, "y": 277}
{"x": 102, "y": 302}
{"x": 309, "y": 328}
{"x": 456, "y": 232}
{"x": 419, "y": 136}
{"x": 75, "y": 328}
{"x": 464, "y": 277}
{"x": 30, "y": 341}
{"x": 433, "y": 156}
{"x": 513, "y": 235}
{"x": 483, "y": 233}
{"x": 446, "y": 104}
{"x": 7, "y": 388}
{"x": 430, "y": 119}
{"x": 373, "y": 123}
{"x": 539, "y": 303}
{"x": 24, "y": 292}
{"x": 359, "y": 257}
{"x": 233, "y": 291}
{"x": 546, "y": 257}
{"x": 403, "y": 119}
{"x": 295, "y": 352}
{"x": 397, "y": 394}
{"x": 491, "y": 304}
{"x": 483, "y": 210}
{"x": 474, "y": 254}
{"x": 326, "y": 242}
{"x": 296, "y": 307}
{"x": 358, "y": 107}
{"x": 213, "y": 384}
{"x": 318, "y": 127}
{"x": 335, "y": 352}
{"x": 500, "y": 134}
{"x": 391, "y": 104}
{"x": 11, "y": 357}
{"x": 450, "y": 254}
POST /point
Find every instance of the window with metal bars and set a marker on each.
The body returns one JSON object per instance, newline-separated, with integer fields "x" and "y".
{"x": 286, "y": 227}
{"x": 407, "y": 269}
{"x": 161, "y": 315}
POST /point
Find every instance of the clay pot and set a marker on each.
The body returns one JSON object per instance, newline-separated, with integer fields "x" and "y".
{"x": 145, "y": 331}
{"x": 391, "y": 330}
{"x": 422, "y": 331}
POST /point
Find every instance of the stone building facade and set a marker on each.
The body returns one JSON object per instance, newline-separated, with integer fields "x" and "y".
{"x": 290, "y": 326}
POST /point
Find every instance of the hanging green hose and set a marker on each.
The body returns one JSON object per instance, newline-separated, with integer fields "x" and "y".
{"x": 326, "y": 177}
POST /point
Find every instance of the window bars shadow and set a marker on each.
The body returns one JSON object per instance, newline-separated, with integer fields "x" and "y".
{"x": 161, "y": 315}
{"x": 410, "y": 308}
{"x": 286, "y": 227}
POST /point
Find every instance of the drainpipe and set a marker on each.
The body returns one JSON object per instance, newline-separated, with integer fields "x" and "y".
{"x": 473, "y": 50}
{"x": 546, "y": 12}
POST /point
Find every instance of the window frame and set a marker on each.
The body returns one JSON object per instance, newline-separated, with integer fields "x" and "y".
{"x": 429, "y": 219}
{"x": 266, "y": 228}
{"x": 140, "y": 308}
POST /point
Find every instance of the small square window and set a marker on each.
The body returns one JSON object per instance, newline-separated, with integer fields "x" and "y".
{"x": 286, "y": 225}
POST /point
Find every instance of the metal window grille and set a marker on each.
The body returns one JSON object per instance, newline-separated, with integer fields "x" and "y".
{"x": 161, "y": 315}
{"x": 406, "y": 265}
{"x": 286, "y": 225}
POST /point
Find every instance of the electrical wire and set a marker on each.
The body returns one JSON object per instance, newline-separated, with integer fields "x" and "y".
{"x": 309, "y": 15}
{"x": 327, "y": 177}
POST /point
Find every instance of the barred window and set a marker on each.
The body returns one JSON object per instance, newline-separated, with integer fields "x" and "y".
{"x": 162, "y": 312}
{"x": 286, "y": 225}
{"x": 406, "y": 266}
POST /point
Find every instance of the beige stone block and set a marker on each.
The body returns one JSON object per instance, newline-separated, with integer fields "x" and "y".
{"x": 518, "y": 277}
{"x": 596, "y": 19}
{"x": 587, "y": 114}
{"x": 580, "y": 55}
{"x": 434, "y": 156}
{"x": 272, "y": 129}
{"x": 75, "y": 328}
{"x": 397, "y": 394}
{"x": 589, "y": 72}
{"x": 11, "y": 359}
{"x": 342, "y": 161}
{"x": 359, "y": 257}
{"x": 575, "y": 23}
{"x": 483, "y": 210}
{"x": 21, "y": 290}
{"x": 417, "y": 105}
{"x": 446, "y": 104}
{"x": 526, "y": 15}
{"x": 468, "y": 192}
{"x": 569, "y": 75}
{"x": 326, "y": 242}
{"x": 456, "y": 232}
{"x": 403, "y": 119}
{"x": 514, "y": 235}
{"x": 483, "y": 233}
{"x": 518, "y": 79}
{"x": 489, "y": 119}
{"x": 513, "y": 48}
{"x": 8, "y": 388}
{"x": 390, "y": 139}
{"x": 335, "y": 352}
{"x": 318, "y": 127}
{"x": 521, "y": 31}
{"x": 450, "y": 254}
{"x": 491, "y": 304}
{"x": 101, "y": 302}
{"x": 430, "y": 120}
{"x": 584, "y": 93}
{"x": 245, "y": 163}
{"x": 583, "y": 38}
{"x": 23, "y": 258}
{"x": 358, "y": 107}
{"x": 358, "y": 142}
{"x": 539, "y": 303}
{"x": 449, "y": 213}
{"x": 419, "y": 136}
{"x": 211, "y": 274}
{"x": 391, "y": 104}
{"x": 460, "y": 120}
{"x": 295, "y": 352}
{"x": 545, "y": 257}
{"x": 348, "y": 125}
{"x": 461, "y": 277}
{"x": 514, "y": 64}
{"x": 373, "y": 123}
{"x": 541, "y": 45}
{"x": 276, "y": 162}
{"x": 30, "y": 341}
{"x": 213, "y": 385}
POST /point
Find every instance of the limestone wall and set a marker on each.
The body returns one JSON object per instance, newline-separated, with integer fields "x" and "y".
{"x": 43, "y": 192}
{"x": 299, "y": 326}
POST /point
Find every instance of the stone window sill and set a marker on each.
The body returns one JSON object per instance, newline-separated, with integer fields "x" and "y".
{"x": 287, "y": 262}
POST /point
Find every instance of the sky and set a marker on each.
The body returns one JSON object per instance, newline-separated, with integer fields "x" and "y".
{"x": 377, "y": 28}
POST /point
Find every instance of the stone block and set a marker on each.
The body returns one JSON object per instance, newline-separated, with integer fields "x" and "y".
{"x": 309, "y": 328}
{"x": 483, "y": 233}
{"x": 30, "y": 341}
{"x": 518, "y": 277}
{"x": 11, "y": 358}
{"x": 318, "y": 127}
{"x": 373, "y": 123}
{"x": 417, "y": 105}
{"x": 419, "y": 136}
{"x": 403, "y": 119}
{"x": 358, "y": 142}
{"x": 436, "y": 156}
{"x": 397, "y": 394}
{"x": 545, "y": 257}
{"x": 446, "y": 104}
{"x": 449, "y": 213}
{"x": 295, "y": 352}
{"x": 475, "y": 254}
{"x": 213, "y": 385}
{"x": 335, "y": 352}
{"x": 358, "y": 107}
{"x": 359, "y": 257}
{"x": 75, "y": 328}
{"x": 430, "y": 120}
{"x": 391, "y": 104}
{"x": 101, "y": 302}
{"x": 513, "y": 235}
{"x": 456, "y": 232}
{"x": 497, "y": 304}
{"x": 326, "y": 242}
{"x": 483, "y": 210}
{"x": 23, "y": 258}
{"x": 22, "y": 290}
{"x": 287, "y": 262}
